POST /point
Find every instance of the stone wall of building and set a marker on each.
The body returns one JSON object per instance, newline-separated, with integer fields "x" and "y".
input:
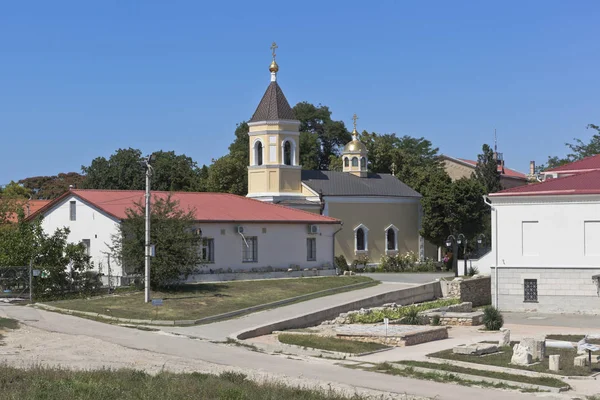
{"x": 559, "y": 290}
{"x": 477, "y": 290}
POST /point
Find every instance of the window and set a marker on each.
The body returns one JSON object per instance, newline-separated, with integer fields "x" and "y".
{"x": 87, "y": 243}
{"x": 363, "y": 163}
{"x": 207, "y": 250}
{"x": 73, "y": 211}
{"x": 355, "y": 161}
{"x": 531, "y": 290}
{"x": 311, "y": 249}
{"x": 391, "y": 239}
{"x": 346, "y": 162}
{"x": 258, "y": 153}
{"x": 250, "y": 249}
{"x": 287, "y": 153}
{"x": 360, "y": 239}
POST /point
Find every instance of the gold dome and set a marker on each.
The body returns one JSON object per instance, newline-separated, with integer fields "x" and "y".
{"x": 274, "y": 67}
{"x": 355, "y": 146}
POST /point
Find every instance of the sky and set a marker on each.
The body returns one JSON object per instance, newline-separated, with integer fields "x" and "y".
{"x": 81, "y": 79}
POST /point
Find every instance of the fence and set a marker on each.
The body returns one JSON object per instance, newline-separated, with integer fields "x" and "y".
{"x": 15, "y": 283}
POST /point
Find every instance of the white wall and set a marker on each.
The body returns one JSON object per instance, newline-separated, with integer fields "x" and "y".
{"x": 90, "y": 224}
{"x": 279, "y": 247}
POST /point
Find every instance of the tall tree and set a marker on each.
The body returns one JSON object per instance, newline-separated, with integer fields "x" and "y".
{"x": 486, "y": 171}
{"x": 15, "y": 190}
{"x": 50, "y": 187}
{"x": 579, "y": 149}
{"x": 228, "y": 175}
{"x": 171, "y": 231}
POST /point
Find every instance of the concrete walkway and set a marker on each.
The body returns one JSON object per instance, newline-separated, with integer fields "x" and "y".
{"x": 219, "y": 331}
{"x": 317, "y": 371}
{"x": 408, "y": 277}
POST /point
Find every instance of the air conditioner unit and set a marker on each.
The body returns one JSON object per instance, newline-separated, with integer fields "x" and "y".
{"x": 313, "y": 228}
{"x": 239, "y": 229}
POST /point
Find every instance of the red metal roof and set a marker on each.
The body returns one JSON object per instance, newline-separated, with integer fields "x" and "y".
{"x": 583, "y": 183}
{"x": 507, "y": 171}
{"x": 583, "y": 165}
{"x": 208, "y": 207}
{"x": 29, "y": 207}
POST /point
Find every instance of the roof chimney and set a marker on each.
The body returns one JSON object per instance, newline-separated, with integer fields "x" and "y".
{"x": 532, "y": 168}
{"x": 71, "y": 187}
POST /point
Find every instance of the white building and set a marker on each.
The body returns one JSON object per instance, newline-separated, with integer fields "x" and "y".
{"x": 546, "y": 243}
{"x": 239, "y": 234}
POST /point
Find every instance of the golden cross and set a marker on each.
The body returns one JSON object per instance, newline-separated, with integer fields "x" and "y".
{"x": 354, "y": 118}
{"x": 273, "y": 47}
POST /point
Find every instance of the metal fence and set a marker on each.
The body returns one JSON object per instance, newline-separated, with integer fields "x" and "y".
{"x": 15, "y": 283}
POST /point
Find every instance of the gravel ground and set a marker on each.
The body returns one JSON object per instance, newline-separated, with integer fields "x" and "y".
{"x": 30, "y": 346}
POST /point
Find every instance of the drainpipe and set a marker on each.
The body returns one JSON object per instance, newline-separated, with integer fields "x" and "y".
{"x": 333, "y": 244}
{"x": 487, "y": 201}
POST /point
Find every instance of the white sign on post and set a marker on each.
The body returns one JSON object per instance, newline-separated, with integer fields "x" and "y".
{"x": 386, "y": 322}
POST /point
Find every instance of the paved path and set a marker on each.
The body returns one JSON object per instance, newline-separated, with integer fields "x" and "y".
{"x": 221, "y": 330}
{"x": 408, "y": 277}
{"x": 537, "y": 319}
{"x": 316, "y": 371}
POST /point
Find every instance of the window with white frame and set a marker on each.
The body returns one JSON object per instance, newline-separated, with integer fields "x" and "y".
{"x": 311, "y": 249}
{"x": 250, "y": 249}
{"x": 355, "y": 161}
{"x": 346, "y": 162}
{"x": 87, "y": 243}
{"x": 361, "y": 238}
{"x": 207, "y": 250}
{"x": 391, "y": 239}
{"x": 287, "y": 153}
{"x": 73, "y": 210}
{"x": 258, "y": 153}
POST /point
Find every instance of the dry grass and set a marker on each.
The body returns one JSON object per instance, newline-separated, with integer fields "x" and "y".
{"x": 207, "y": 299}
{"x": 330, "y": 343}
{"x": 45, "y": 383}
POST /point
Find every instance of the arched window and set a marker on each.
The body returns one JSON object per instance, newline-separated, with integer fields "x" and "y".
{"x": 360, "y": 239}
{"x": 346, "y": 162}
{"x": 391, "y": 239}
{"x": 363, "y": 163}
{"x": 287, "y": 153}
{"x": 355, "y": 161}
{"x": 258, "y": 153}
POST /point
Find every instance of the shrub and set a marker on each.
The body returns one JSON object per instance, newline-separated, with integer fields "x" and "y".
{"x": 412, "y": 316}
{"x": 435, "y": 320}
{"x": 492, "y": 318}
{"x": 340, "y": 263}
{"x": 374, "y": 316}
{"x": 473, "y": 271}
{"x": 361, "y": 260}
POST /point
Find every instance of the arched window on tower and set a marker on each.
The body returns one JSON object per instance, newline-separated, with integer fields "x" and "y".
{"x": 258, "y": 153}
{"x": 346, "y": 162}
{"x": 360, "y": 239}
{"x": 287, "y": 153}
{"x": 355, "y": 161}
{"x": 363, "y": 163}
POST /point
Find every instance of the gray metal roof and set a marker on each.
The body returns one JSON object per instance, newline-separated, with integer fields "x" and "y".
{"x": 273, "y": 106}
{"x": 334, "y": 183}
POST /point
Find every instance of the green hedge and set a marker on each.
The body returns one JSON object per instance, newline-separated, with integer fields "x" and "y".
{"x": 376, "y": 316}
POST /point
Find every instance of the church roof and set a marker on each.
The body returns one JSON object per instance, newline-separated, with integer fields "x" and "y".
{"x": 273, "y": 106}
{"x": 334, "y": 183}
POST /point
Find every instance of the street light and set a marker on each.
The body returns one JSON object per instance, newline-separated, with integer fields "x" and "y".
{"x": 451, "y": 243}
{"x": 460, "y": 240}
{"x": 148, "y": 247}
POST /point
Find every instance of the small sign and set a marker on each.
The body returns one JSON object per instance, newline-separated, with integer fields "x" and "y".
{"x": 36, "y": 272}
{"x": 157, "y": 302}
{"x": 386, "y": 322}
{"x": 152, "y": 251}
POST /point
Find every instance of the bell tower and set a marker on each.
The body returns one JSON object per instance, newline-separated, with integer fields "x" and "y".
{"x": 354, "y": 155}
{"x": 274, "y": 167}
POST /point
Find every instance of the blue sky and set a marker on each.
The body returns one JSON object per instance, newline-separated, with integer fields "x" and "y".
{"x": 81, "y": 79}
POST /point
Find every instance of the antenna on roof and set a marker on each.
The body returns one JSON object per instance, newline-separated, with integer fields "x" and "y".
{"x": 495, "y": 141}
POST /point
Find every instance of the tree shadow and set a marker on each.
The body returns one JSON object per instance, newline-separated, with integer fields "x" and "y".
{"x": 201, "y": 289}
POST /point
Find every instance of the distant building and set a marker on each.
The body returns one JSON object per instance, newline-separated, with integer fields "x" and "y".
{"x": 546, "y": 242}
{"x": 29, "y": 207}
{"x": 381, "y": 215}
{"x": 458, "y": 168}
{"x": 239, "y": 234}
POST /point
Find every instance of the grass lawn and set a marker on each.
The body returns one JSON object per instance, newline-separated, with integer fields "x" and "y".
{"x": 503, "y": 360}
{"x": 572, "y": 338}
{"x": 544, "y": 381}
{"x": 7, "y": 323}
{"x": 41, "y": 383}
{"x": 207, "y": 299}
{"x": 330, "y": 343}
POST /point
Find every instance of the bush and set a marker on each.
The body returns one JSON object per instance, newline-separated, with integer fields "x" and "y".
{"x": 412, "y": 316}
{"x": 435, "y": 320}
{"x": 340, "y": 263}
{"x": 375, "y": 316}
{"x": 473, "y": 271}
{"x": 492, "y": 318}
{"x": 361, "y": 260}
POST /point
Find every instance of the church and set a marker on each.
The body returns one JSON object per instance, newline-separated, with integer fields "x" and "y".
{"x": 380, "y": 214}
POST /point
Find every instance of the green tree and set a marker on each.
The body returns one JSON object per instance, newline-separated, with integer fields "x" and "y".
{"x": 228, "y": 175}
{"x": 51, "y": 187}
{"x": 15, "y": 190}
{"x": 172, "y": 233}
{"x": 486, "y": 171}
{"x": 579, "y": 149}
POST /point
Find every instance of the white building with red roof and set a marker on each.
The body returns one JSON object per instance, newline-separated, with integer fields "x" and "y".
{"x": 239, "y": 234}
{"x": 546, "y": 242}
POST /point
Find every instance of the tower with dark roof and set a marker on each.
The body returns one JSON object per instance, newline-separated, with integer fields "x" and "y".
{"x": 274, "y": 173}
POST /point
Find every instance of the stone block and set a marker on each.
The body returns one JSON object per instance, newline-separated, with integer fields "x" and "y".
{"x": 537, "y": 347}
{"x": 505, "y": 339}
{"x": 521, "y": 355}
{"x": 554, "y": 363}
{"x": 580, "y": 361}
{"x": 477, "y": 349}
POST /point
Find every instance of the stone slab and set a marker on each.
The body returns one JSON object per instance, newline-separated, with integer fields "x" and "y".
{"x": 477, "y": 349}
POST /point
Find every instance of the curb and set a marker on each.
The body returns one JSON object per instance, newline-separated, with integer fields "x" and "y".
{"x": 213, "y": 318}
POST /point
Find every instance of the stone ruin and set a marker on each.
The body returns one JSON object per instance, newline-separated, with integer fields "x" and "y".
{"x": 528, "y": 351}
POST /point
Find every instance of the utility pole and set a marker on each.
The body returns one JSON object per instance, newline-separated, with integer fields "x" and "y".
{"x": 147, "y": 241}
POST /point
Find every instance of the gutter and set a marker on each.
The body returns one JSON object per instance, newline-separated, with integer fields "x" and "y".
{"x": 487, "y": 201}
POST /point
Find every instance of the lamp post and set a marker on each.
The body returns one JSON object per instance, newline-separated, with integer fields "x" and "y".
{"x": 463, "y": 240}
{"x": 451, "y": 243}
{"x": 480, "y": 239}
{"x": 149, "y": 170}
